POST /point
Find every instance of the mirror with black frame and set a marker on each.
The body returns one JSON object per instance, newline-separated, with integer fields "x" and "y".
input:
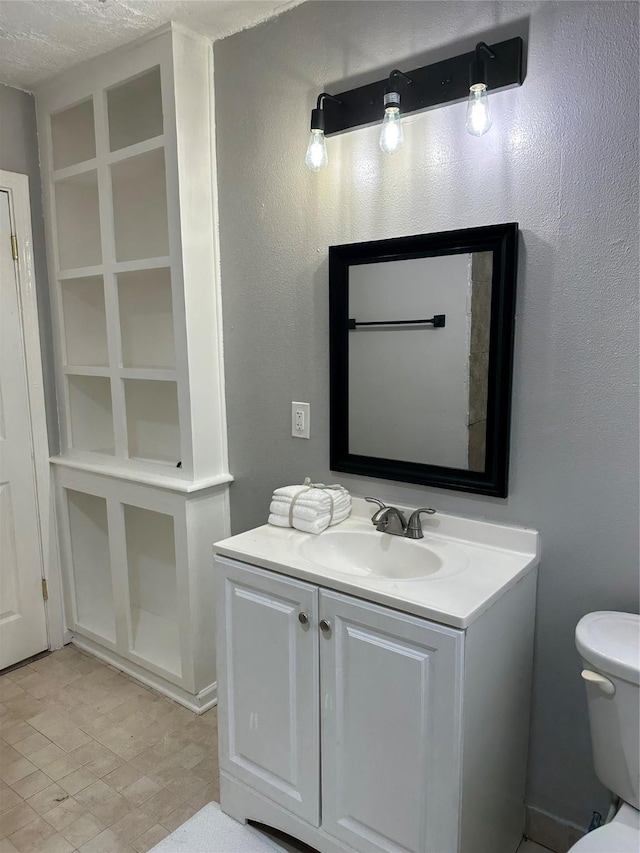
{"x": 421, "y": 339}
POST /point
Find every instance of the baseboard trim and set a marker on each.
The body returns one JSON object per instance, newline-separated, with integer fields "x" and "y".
{"x": 550, "y": 831}
{"x": 198, "y": 703}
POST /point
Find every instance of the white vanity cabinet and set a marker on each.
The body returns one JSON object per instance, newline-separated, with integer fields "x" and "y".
{"x": 356, "y": 727}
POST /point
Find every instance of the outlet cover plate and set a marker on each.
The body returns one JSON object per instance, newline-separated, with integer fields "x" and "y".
{"x": 300, "y": 420}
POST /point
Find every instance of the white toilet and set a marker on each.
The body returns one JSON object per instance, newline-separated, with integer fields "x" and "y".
{"x": 610, "y": 647}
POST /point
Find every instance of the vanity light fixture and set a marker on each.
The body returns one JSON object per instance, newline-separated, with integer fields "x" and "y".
{"x": 317, "y": 158}
{"x": 391, "y": 133}
{"x": 478, "y": 114}
{"x": 435, "y": 85}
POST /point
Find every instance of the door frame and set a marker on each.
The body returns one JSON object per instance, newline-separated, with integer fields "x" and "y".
{"x": 17, "y": 187}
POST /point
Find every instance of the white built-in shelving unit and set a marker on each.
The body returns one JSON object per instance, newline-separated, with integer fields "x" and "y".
{"x": 127, "y": 160}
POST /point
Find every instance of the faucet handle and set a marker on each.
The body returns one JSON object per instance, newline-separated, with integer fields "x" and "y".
{"x": 380, "y": 503}
{"x": 414, "y": 527}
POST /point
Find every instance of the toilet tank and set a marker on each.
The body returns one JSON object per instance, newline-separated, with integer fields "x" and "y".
{"x": 609, "y": 643}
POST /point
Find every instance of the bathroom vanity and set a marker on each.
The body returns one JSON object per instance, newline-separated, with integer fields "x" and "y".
{"x": 374, "y": 691}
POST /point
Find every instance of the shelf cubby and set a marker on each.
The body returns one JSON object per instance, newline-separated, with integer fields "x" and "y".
{"x": 73, "y": 138}
{"x": 85, "y": 324}
{"x": 135, "y": 110}
{"x": 146, "y": 318}
{"x": 89, "y": 533}
{"x": 140, "y": 206}
{"x": 91, "y": 413}
{"x": 78, "y": 221}
{"x": 153, "y": 426}
{"x": 151, "y": 558}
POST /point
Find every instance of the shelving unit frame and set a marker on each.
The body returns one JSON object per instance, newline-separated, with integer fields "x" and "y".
{"x": 180, "y": 159}
{"x": 186, "y": 477}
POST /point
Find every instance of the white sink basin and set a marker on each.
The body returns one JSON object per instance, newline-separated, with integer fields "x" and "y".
{"x": 450, "y": 576}
{"x": 371, "y": 554}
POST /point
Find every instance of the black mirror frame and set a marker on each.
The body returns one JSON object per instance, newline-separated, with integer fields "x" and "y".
{"x": 502, "y": 240}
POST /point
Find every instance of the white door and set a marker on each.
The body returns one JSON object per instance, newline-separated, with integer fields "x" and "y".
{"x": 391, "y": 728}
{"x": 23, "y": 630}
{"x": 268, "y": 683}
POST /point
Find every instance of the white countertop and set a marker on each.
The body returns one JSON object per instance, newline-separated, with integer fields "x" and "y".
{"x": 481, "y": 561}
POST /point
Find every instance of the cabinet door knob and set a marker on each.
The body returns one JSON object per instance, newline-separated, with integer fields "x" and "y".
{"x": 325, "y": 625}
{"x": 303, "y": 619}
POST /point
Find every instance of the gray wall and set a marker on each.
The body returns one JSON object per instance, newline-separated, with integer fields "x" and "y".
{"x": 19, "y": 153}
{"x": 561, "y": 159}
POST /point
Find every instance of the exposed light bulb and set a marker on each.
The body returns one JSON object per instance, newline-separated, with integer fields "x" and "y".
{"x": 391, "y": 133}
{"x": 316, "y": 158}
{"x": 478, "y": 113}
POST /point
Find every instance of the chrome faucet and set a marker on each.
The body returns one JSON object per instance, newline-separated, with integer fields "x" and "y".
{"x": 390, "y": 519}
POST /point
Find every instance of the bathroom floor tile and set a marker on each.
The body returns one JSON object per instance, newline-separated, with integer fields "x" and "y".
{"x": 32, "y": 836}
{"x": 105, "y": 842}
{"x": 8, "y": 799}
{"x": 46, "y": 756}
{"x": 161, "y": 805}
{"x": 149, "y": 839}
{"x": 47, "y": 799}
{"x": 14, "y": 819}
{"x": 61, "y": 767}
{"x": 55, "y": 844}
{"x": 77, "y": 780}
{"x": 111, "y": 810}
{"x": 16, "y": 770}
{"x": 140, "y": 790}
{"x": 71, "y": 739}
{"x": 82, "y": 829}
{"x": 91, "y": 761}
{"x": 132, "y": 825}
{"x": 31, "y": 784}
{"x": 8, "y": 754}
{"x": 31, "y": 744}
{"x": 177, "y": 817}
{"x": 95, "y": 793}
{"x": 123, "y": 776}
{"x": 64, "y": 814}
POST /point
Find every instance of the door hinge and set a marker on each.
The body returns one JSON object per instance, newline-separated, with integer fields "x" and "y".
{"x": 14, "y": 247}
{"x": 45, "y": 591}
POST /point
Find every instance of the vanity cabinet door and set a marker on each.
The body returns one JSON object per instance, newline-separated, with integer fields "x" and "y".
{"x": 391, "y": 728}
{"x": 269, "y": 685}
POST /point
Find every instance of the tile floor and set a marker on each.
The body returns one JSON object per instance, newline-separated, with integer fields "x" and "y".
{"x": 92, "y": 761}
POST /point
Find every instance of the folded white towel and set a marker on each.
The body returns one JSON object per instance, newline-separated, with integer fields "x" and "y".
{"x": 313, "y": 497}
{"x": 311, "y": 507}
{"x": 308, "y": 513}
{"x": 340, "y": 502}
{"x": 300, "y": 524}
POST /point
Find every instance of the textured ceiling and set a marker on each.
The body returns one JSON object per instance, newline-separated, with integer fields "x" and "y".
{"x": 40, "y": 38}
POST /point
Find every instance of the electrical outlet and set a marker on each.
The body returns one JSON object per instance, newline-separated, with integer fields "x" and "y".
{"x": 300, "y": 420}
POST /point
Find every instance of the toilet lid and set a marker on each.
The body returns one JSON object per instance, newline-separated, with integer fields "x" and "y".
{"x": 622, "y": 835}
{"x": 611, "y": 642}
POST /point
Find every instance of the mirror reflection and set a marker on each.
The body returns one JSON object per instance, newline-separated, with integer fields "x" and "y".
{"x": 422, "y": 357}
{"x": 418, "y": 359}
